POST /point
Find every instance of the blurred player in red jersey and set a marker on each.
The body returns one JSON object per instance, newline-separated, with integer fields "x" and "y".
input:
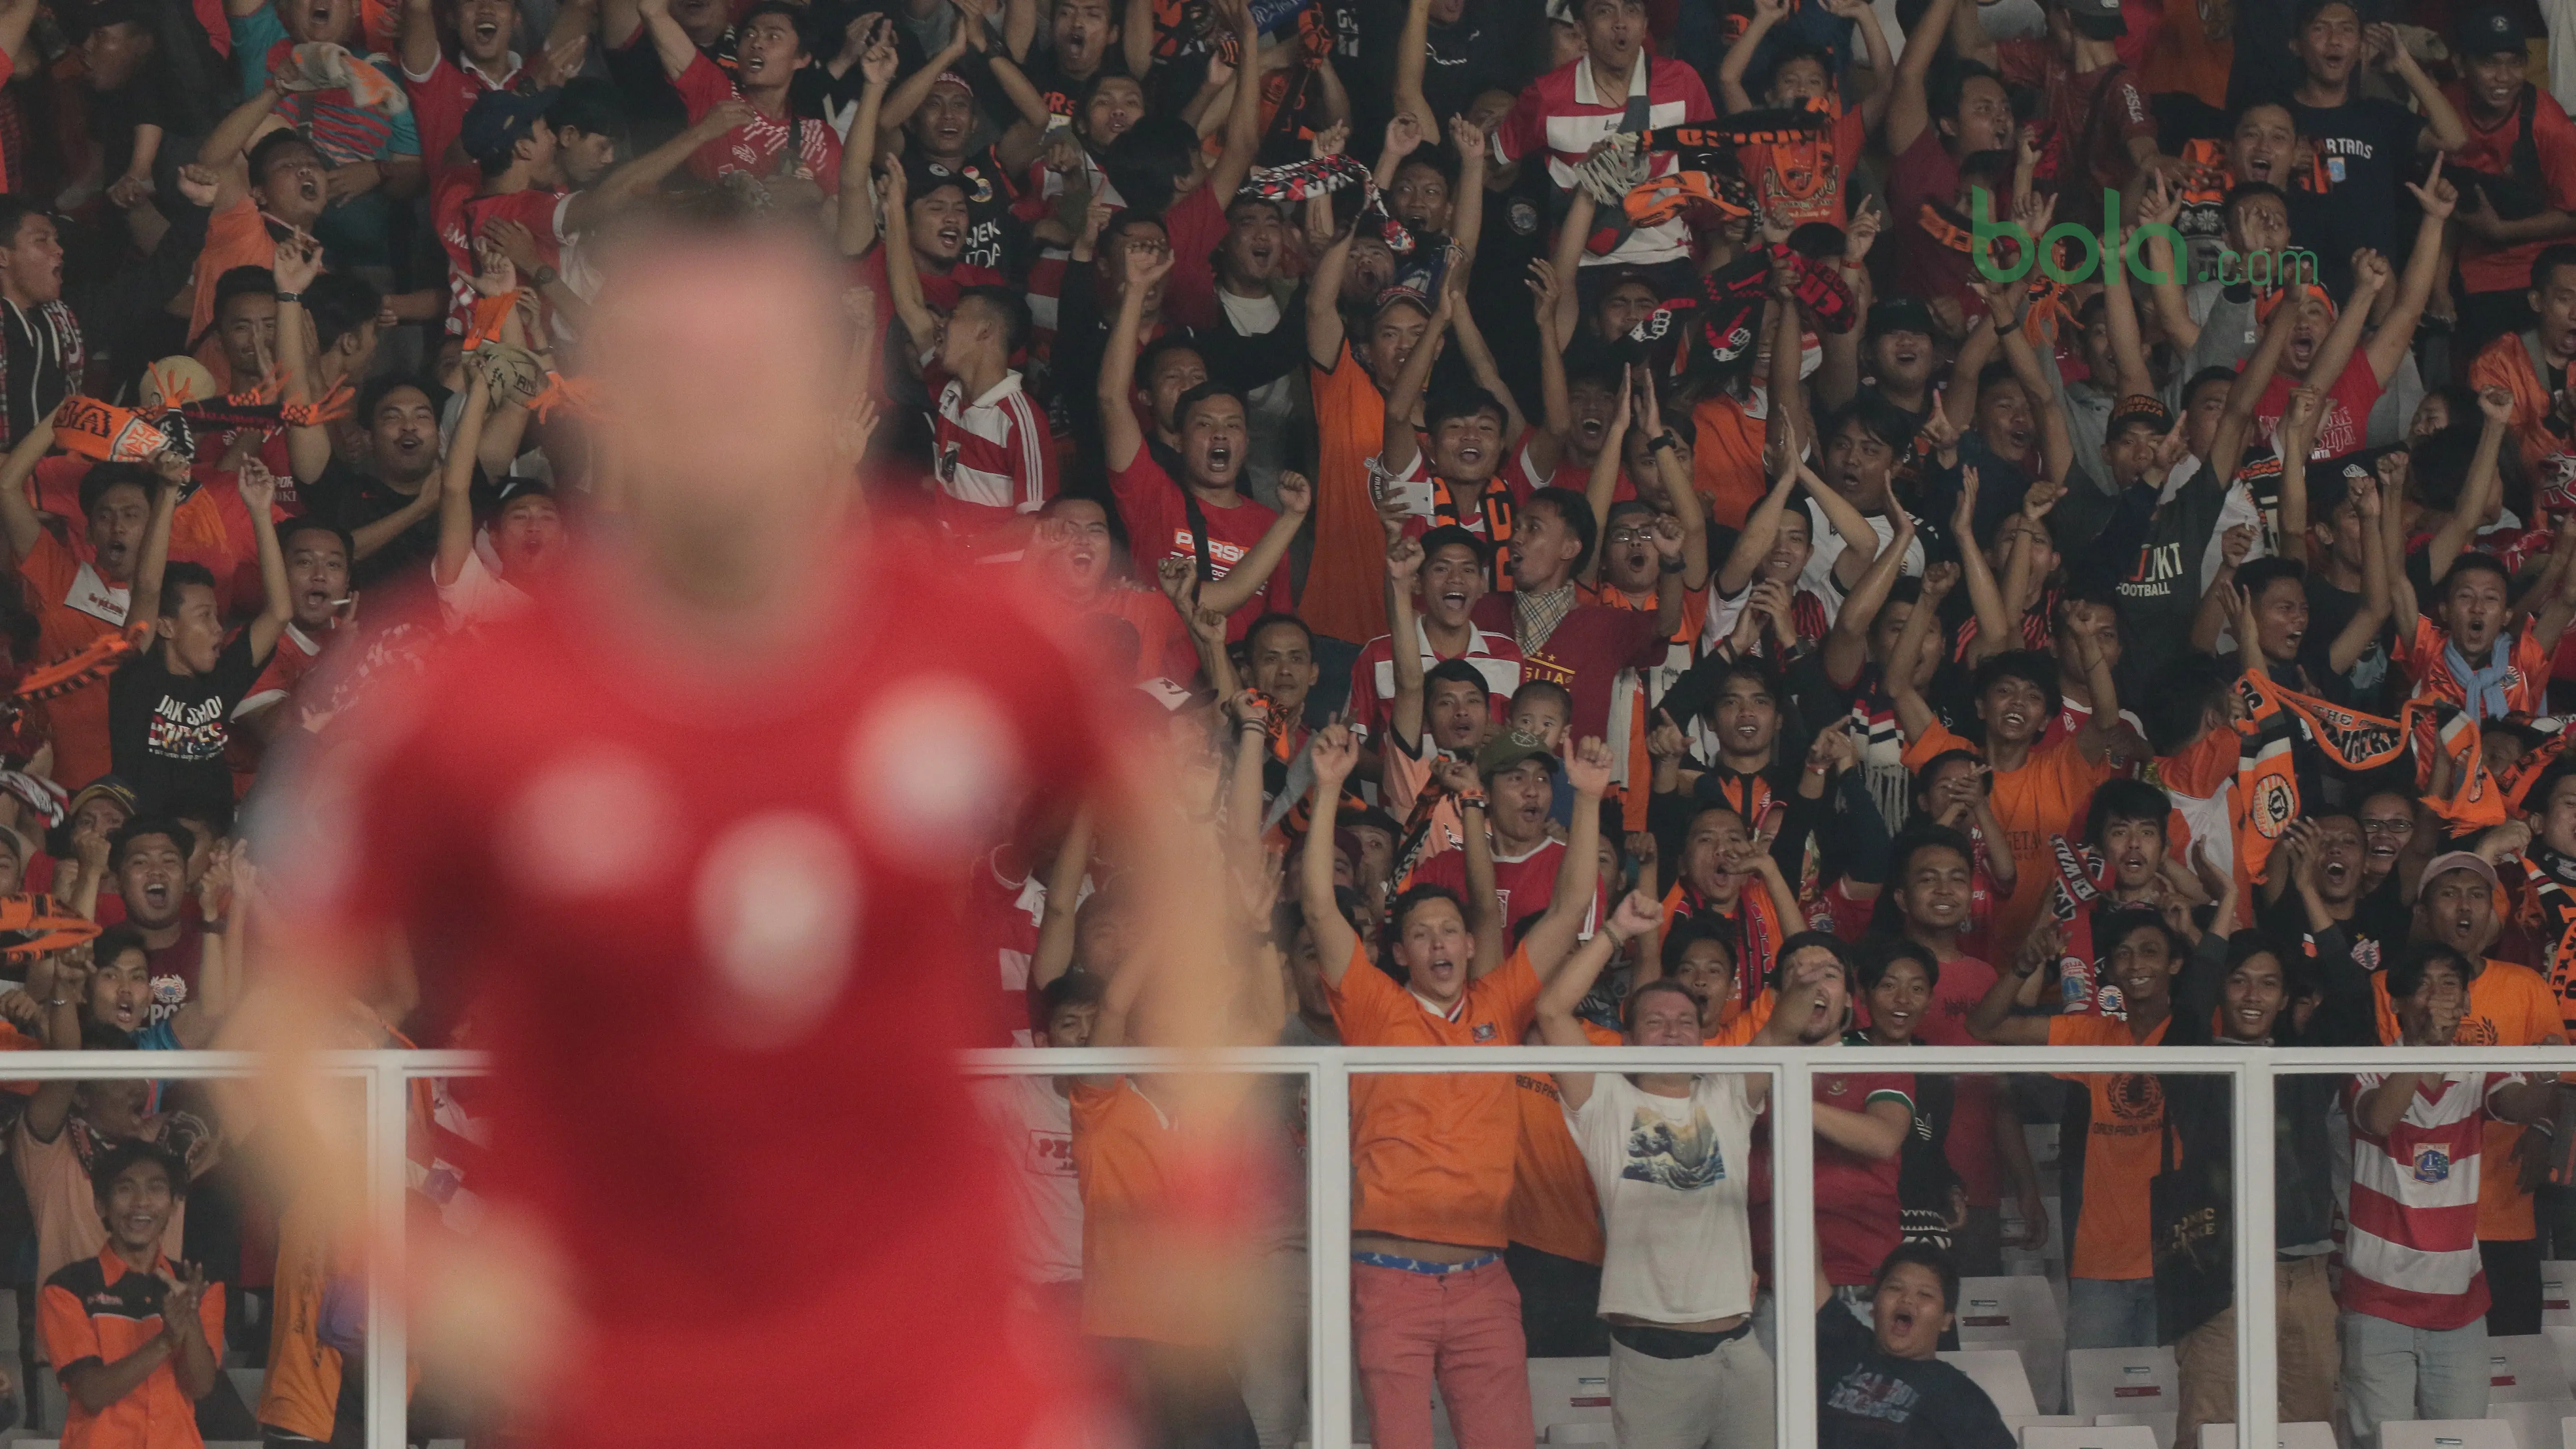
{"x": 699, "y": 858}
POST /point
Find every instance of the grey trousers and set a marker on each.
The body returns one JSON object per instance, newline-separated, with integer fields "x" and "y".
{"x": 1719, "y": 1400}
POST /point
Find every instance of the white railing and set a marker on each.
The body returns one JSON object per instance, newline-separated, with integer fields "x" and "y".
{"x": 1328, "y": 1070}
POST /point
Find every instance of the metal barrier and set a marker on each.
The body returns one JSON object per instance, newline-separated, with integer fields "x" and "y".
{"x": 1328, "y": 1071}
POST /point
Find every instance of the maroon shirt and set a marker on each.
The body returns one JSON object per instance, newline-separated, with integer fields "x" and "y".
{"x": 1585, "y": 654}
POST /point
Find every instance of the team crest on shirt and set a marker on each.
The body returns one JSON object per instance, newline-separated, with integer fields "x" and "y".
{"x": 2432, "y": 1164}
{"x": 1836, "y": 1087}
{"x": 1483, "y": 1032}
{"x": 2365, "y": 954}
{"x": 169, "y": 991}
{"x": 1522, "y": 216}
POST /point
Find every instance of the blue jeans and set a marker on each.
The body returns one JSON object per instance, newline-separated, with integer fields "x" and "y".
{"x": 2110, "y": 1312}
{"x": 2393, "y": 1372}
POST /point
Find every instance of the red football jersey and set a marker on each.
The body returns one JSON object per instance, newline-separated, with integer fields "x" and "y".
{"x": 708, "y": 911}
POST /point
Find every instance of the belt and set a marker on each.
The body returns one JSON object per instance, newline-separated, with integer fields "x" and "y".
{"x": 1417, "y": 1265}
{"x": 1675, "y": 1342}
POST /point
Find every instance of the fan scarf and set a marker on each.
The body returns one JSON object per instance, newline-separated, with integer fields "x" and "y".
{"x": 2516, "y": 783}
{"x": 1322, "y": 176}
{"x": 1757, "y": 937}
{"x": 2549, "y": 912}
{"x": 1767, "y": 126}
{"x": 2082, "y": 879}
{"x": 112, "y": 434}
{"x": 2048, "y": 313}
{"x": 1715, "y": 330}
{"x": 2355, "y": 741}
{"x": 1701, "y": 194}
{"x": 32, "y": 925}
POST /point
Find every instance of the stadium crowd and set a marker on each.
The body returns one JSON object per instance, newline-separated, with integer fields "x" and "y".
{"x": 1788, "y": 522}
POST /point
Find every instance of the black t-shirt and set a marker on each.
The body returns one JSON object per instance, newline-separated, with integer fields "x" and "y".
{"x": 2157, "y": 560}
{"x": 992, "y": 233}
{"x": 167, "y": 732}
{"x": 654, "y": 111}
{"x": 353, "y": 500}
{"x": 2363, "y": 147}
{"x": 1867, "y": 1399}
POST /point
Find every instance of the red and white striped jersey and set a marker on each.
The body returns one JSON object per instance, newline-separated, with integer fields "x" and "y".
{"x": 996, "y": 458}
{"x": 2410, "y": 1250}
{"x": 1564, "y": 115}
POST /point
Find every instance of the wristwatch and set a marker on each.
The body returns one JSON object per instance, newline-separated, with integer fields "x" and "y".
{"x": 1661, "y": 441}
{"x": 545, "y": 276}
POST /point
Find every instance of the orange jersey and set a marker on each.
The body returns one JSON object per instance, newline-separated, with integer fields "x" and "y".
{"x": 2123, "y": 1152}
{"x": 97, "y": 1310}
{"x": 1433, "y": 1155}
{"x": 2526, "y": 681}
{"x": 2046, "y": 797}
{"x": 1345, "y": 595}
{"x": 1122, "y": 1153}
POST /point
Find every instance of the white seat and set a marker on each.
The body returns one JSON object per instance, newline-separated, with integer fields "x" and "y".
{"x": 1569, "y": 1391}
{"x": 2020, "y": 1313}
{"x": 2117, "y": 1436}
{"x": 2558, "y": 1293}
{"x": 2160, "y": 1425}
{"x": 2293, "y": 1436}
{"x": 1576, "y": 1434}
{"x": 2139, "y": 1381}
{"x": 1999, "y": 1372}
{"x": 2019, "y": 1422}
{"x": 248, "y": 1382}
{"x": 2535, "y": 1423}
{"x": 2446, "y": 1434}
{"x": 2567, "y": 1432}
{"x": 2524, "y": 1369}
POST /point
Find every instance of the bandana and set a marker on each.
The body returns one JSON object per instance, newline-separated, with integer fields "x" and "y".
{"x": 2270, "y": 302}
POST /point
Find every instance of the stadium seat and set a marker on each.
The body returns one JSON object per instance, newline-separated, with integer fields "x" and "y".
{"x": 2525, "y": 1369}
{"x": 1999, "y": 1372}
{"x": 248, "y": 1382}
{"x": 2558, "y": 1294}
{"x": 2116, "y": 1436}
{"x": 2535, "y": 1423}
{"x": 2562, "y": 1337}
{"x": 2020, "y": 1313}
{"x": 2293, "y": 1436}
{"x": 1569, "y": 1391}
{"x": 2160, "y": 1425}
{"x": 2138, "y": 1381}
{"x": 1576, "y": 1434}
{"x": 2447, "y": 1434}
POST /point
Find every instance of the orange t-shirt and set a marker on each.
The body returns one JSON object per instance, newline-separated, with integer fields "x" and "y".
{"x": 74, "y": 605}
{"x": 99, "y": 1309}
{"x": 1345, "y": 593}
{"x": 2509, "y": 1005}
{"x": 1432, "y": 1155}
{"x": 2047, "y": 796}
{"x": 1129, "y": 1288}
{"x": 2506, "y": 363}
{"x": 1726, "y": 458}
{"x": 2123, "y": 1152}
{"x": 1744, "y": 1028}
{"x": 1553, "y": 1207}
{"x": 2526, "y": 683}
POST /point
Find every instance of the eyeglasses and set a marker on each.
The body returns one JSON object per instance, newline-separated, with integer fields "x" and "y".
{"x": 1631, "y": 535}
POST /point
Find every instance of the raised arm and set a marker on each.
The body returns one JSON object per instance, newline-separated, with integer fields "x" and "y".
{"x": 1994, "y": 616}
{"x": 1992, "y": 1019}
{"x": 258, "y": 489}
{"x": 1248, "y": 577}
{"x": 456, "y": 490}
{"x": 1334, "y": 753}
{"x": 1578, "y": 879}
{"x": 144, "y": 603}
{"x": 2102, "y": 728}
{"x": 1325, "y": 329}
{"x": 1551, "y": 290}
{"x": 1243, "y": 123}
{"x": 1761, "y": 531}
{"x": 17, "y": 513}
{"x": 2484, "y": 477}
{"x": 1403, "y": 566}
{"x": 1412, "y": 56}
{"x": 1909, "y": 112}
{"x": 1881, "y": 60}
{"x": 1635, "y": 919}
{"x": 1912, "y": 714}
{"x": 915, "y": 88}
{"x": 2443, "y": 129}
{"x": 2161, "y": 206}
{"x": 1739, "y": 56}
{"x": 1682, "y": 500}
{"x": 1847, "y": 642}
{"x": 670, "y": 42}
{"x": 2348, "y": 646}
{"x": 1120, "y": 438}
{"x": 1398, "y": 447}
{"x": 1054, "y": 954}
{"x": 1860, "y": 541}
{"x": 2424, "y": 270}
{"x": 2227, "y": 448}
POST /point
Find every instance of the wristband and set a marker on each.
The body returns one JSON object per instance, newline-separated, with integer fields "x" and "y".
{"x": 1661, "y": 441}
{"x": 2006, "y": 329}
{"x": 545, "y": 276}
{"x": 1473, "y": 801}
{"x": 1671, "y": 565}
{"x": 285, "y": 297}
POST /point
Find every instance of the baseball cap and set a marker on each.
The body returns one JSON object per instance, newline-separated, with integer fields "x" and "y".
{"x": 2097, "y": 19}
{"x": 2138, "y": 407}
{"x": 2492, "y": 30}
{"x": 2442, "y": 865}
{"x": 1560, "y": 12}
{"x": 951, "y": 78}
{"x": 498, "y": 120}
{"x": 1511, "y": 749}
{"x": 1899, "y": 314}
